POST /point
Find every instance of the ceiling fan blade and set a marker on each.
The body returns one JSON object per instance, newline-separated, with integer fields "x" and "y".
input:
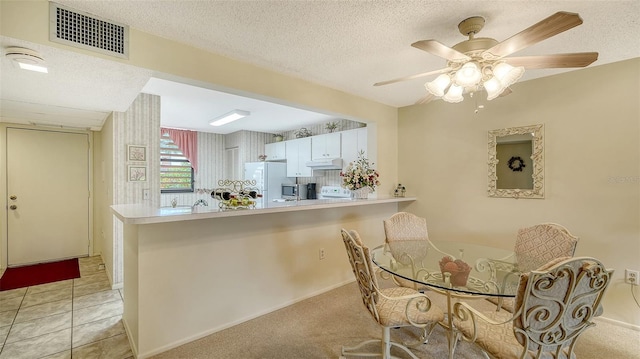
{"x": 506, "y": 92}
{"x": 441, "y": 71}
{"x": 425, "y": 99}
{"x": 578, "y": 59}
{"x": 551, "y": 26}
{"x": 437, "y": 48}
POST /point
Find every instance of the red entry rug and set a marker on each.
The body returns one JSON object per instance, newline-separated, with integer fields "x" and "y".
{"x": 42, "y": 273}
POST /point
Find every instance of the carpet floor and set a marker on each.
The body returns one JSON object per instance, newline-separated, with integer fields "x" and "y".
{"x": 318, "y": 327}
{"x": 26, "y": 276}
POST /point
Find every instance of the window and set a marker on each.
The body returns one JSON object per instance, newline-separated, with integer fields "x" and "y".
{"x": 176, "y": 173}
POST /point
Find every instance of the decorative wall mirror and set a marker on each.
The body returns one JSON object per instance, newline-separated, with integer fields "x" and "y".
{"x": 516, "y": 162}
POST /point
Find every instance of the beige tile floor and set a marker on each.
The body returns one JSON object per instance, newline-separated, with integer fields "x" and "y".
{"x": 75, "y": 318}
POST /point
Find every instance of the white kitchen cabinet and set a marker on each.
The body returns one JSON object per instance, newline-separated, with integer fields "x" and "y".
{"x": 275, "y": 151}
{"x": 325, "y": 147}
{"x": 298, "y": 153}
{"x": 353, "y": 141}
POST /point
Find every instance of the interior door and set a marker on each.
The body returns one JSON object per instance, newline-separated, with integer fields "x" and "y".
{"x": 48, "y": 188}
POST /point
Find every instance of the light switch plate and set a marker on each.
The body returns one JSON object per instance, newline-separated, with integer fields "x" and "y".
{"x": 145, "y": 194}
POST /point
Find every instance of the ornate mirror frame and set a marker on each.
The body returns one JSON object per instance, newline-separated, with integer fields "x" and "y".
{"x": 537, "y": 158}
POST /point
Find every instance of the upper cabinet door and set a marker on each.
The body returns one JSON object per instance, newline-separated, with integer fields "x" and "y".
{"x": 298, "y": 153}
{"x": 353, "y": 141}
{"x": 275, "y": 151}
{"x": 325, "y": 147}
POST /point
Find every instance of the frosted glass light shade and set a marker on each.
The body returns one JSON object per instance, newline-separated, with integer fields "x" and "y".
{"x": 439, "y": 85}
{"x": 507, "y": 74}
{"x": 454, "y": 94}
{"x": 493, "y": 87}
{"x": 468, "y": 75}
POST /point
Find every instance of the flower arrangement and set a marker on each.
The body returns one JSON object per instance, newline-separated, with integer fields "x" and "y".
{"x": 359, "y": 174}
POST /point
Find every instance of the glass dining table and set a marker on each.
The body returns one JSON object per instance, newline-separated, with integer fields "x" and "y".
{"x": 456, "y": 270}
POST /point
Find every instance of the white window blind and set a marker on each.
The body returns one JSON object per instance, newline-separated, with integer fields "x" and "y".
{"x": 176, "y": 173}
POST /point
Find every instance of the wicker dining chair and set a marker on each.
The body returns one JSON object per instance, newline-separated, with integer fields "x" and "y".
{"x": 391, "y": 307}
{"x": 554, "y": 305}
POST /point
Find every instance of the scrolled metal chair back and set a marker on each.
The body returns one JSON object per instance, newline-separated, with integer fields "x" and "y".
{"x": 556, "y": 304}
{"x": 360, "y": 259}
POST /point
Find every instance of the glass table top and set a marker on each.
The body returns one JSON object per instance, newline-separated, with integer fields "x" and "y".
{"x": 462, "y": 268}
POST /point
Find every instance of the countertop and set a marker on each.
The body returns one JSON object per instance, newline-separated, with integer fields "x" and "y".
{"x": 145, "y": 214}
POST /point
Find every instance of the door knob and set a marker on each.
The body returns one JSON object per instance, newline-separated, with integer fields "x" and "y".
{"x": 13, "y": 198}
{"x": 13, "y": 206}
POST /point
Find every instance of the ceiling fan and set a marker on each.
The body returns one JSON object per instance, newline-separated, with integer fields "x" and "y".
{"x": 481, "y": 63}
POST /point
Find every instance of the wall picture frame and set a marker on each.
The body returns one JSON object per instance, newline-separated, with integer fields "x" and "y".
{"x": 137, "y": 173}
{"x": 137, "y": 153}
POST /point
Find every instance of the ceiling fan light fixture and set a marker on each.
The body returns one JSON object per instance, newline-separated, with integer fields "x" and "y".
{"x": 468, "y": 75}
{"x": 229, "y": 117}
{"x": 493, "y": 87}
{"x": 454, "y": 95}
{"x": 438, "y": 86}
{"x": 507, "y": 74}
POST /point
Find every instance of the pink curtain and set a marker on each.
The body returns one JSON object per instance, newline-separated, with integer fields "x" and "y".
{"x": 187, "y": 142}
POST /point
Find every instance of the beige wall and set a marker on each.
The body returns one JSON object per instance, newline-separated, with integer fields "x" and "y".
{"x": 103, "y": 185}
{"x": 592, "y": 169}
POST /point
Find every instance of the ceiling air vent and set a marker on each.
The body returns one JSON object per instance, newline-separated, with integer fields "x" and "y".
{"x": 71, "y": 27}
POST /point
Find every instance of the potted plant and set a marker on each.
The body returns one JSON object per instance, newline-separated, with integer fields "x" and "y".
{"x": 301, "y": 133}
{"x": 331, "y": 126}
{"x": 277, "y": 137}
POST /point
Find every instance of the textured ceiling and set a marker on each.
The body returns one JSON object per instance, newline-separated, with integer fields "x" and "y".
{"x": 349, "y": 45}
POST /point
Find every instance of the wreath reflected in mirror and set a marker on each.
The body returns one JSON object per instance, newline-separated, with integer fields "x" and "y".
{"x": 516, "y": 164}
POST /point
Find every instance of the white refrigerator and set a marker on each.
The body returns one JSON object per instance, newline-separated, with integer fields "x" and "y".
{"x": 269, "y": 177}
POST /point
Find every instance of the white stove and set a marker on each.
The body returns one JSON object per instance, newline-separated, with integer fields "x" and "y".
{"x": 334, "y": 192}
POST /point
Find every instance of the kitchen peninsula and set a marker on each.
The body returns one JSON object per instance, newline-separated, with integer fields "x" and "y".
{"x": 192, "y": 272}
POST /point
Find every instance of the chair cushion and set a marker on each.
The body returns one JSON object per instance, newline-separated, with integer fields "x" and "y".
{"x": 541, "y": 243}
{"x": 405, "y": 226}
{"x": 392, "y": 311}
{"x": 497, "y": 340}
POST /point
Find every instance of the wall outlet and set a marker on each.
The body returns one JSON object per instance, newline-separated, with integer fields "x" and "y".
{"x": 631, "y": 277}
{"x": 321, "y": 253}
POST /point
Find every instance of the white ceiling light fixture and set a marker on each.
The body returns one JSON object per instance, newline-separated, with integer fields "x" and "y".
{"x": 27, "y": 59}
{"x": 483, "y": 64}
{"x": 229, "y": 117}
{"x": 474, "y": 71}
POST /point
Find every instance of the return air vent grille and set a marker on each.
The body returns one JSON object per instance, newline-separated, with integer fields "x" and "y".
{"x": 73, "y": 28}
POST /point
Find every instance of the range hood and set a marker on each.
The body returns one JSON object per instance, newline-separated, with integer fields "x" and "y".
{"x": 332, "y": 164}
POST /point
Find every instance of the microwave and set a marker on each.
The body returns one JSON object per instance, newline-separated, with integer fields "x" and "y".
{"x": 294, "y": 191}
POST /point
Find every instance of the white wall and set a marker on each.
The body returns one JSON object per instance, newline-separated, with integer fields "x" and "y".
{"x": 592, "y": 168}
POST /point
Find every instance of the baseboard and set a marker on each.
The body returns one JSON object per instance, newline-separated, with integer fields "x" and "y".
{"x": 236, "y": 322}
{"x": 132, "y": 345}
{"x": 618, "y": 323}
{"x": 107, "y": 271}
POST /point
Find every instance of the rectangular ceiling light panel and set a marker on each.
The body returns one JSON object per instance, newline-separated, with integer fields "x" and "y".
{"x": 74, "y": 28}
